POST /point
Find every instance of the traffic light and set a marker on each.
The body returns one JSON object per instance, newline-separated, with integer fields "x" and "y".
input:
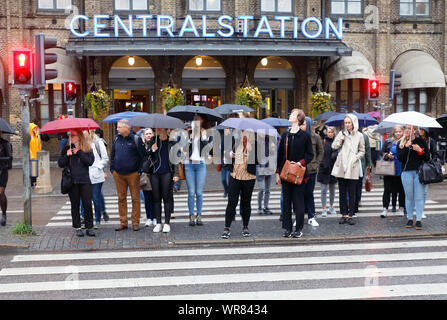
{"x": 70, "y": 92}
{"x": 22, "y": 69}
{"x": 394, "y": 88}
{"x": 373, "y": 89}
{"x": 42, "y": 59}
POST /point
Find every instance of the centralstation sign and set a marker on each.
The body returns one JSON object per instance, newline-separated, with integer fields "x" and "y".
{"x": 310, "y": 28}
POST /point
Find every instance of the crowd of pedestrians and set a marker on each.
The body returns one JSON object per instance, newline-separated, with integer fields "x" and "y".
{"x": 335, "y": 156}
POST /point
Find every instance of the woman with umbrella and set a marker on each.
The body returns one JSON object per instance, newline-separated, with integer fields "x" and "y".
{"x": 412, "y": 152}
{"x": 78, "y": 157}
{"x": 195, "y": 166}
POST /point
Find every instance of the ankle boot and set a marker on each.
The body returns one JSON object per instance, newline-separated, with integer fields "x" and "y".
{"x": 3, "y": 220}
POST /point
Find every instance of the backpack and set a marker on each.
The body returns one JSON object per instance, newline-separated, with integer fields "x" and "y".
{"x": 97, "y": 147}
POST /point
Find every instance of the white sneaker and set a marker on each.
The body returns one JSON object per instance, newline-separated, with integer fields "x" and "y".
{"x": 401, "y": 212}
{"x": 149, "y": 223}
{"x": 154, "y": 222}
{"x": 384, "y": 213}
{"x": 424, "y": 216}
{"x": 332, "y": 210}
{"x": 157, "y": 228}
{"x": 313, "y": 222}
{"x": 166, "y": 228}
{"x": 324, "y": 213}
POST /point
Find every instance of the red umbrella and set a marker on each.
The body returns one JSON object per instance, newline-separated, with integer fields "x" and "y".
{"x": 65, "y": 125}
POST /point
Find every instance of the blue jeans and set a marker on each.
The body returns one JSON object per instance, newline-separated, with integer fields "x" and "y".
{"x": 225, "y": 177}
{"x": 195, "y": 176}
{"x": 98, "y": 202}
{"x": 414, "y": 194}
{"x": 149, "y": 206}
{"x": 309, "y": 199}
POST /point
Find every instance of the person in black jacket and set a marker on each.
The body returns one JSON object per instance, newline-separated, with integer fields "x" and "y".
{"x": 79, "y": 157}
{"x": 324, "y": 177}
{"x": 412, "y": 152}
{"x": 242, "y": 180}
{"x": 433, "y": 152}
{"x": 163, "y": 174}
{"x": 5, "y": 165}
{"x": 299, "y": 149}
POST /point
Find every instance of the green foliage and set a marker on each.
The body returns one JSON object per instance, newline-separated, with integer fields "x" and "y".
{"x": 249, "y": 96}
{"x": 172, "y": 97}
{"x": 98, "y": 102}
{"x": 21, "y": 228}
{"x": 321, "y": 102}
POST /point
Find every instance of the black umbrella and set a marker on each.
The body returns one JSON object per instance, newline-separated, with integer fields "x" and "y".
{"x": 156, "y": 120}
{"x": 188, "y": 113}
{"x": 325, "y": 115}
{"x": 233, "y": 108}
{"x": 5, "y": 127}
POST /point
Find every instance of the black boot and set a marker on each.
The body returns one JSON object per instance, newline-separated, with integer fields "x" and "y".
{"x": 3, "y": 220}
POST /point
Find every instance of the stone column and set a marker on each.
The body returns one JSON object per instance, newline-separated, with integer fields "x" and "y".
{"x": 43, "y": 182}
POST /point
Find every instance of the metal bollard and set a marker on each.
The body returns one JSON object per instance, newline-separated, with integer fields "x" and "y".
{"x": 43, "y": 182}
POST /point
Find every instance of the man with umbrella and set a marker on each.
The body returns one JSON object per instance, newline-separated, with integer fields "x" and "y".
{"x": 126, "y": 156}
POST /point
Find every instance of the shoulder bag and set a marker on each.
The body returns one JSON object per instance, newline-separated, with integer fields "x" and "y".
{"x": 385, "y": 168}
{"x": 292, "y": 172}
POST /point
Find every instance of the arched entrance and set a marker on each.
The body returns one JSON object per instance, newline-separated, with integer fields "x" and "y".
{"x": 203, "y": 81}
{"x": 275, "y": 79}
{"x": 132, "y": 81}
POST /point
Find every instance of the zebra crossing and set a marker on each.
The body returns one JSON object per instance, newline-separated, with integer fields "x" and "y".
{"x": 361, "y": 270}
{"x": 214, "y": 207}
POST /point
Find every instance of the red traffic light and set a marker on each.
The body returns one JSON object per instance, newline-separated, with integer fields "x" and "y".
{"x": 70, "y": 86}
{"x": 373, "y": 89}
{"x": 22, "y": 68}
{"x": 70, "y": 92}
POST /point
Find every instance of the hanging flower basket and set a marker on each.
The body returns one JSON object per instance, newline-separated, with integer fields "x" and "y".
{"x": 98, "y": 102}
{"x": 249, "y": 96}
{"x": 172, "y": 97}
{"x": 321, "y": 102}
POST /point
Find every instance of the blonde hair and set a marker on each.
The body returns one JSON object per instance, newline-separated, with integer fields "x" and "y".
{"x": 404, "y": 139}
{"x": 394, "y": 130}
{"x": 334, "y": 129}
{"x": 84, "y": 143}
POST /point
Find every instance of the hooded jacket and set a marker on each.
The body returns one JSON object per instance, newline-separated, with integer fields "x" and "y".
{"x": 350, "y": 152}
{"x": 34, "y": 144}
{"x": 317, "y": 148}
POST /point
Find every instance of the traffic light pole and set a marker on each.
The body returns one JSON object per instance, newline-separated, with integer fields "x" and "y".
{"x": 25, "y": 95}
{"x": 382, "y": 109}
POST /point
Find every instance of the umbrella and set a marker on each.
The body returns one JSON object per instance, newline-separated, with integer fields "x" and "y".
{"x": 188, "y": 113}
{"x": 65, "y": 125}
{"x": 156, "y": 120}
{"x": 5, "y": 127}
{"x": 374, "y": 114}
{"x": 233, "y": 108}
{"x": 325, "y": 115}
{"x": 365, "y": 120}
{"x": 113, "y": 118}
{"x": 277, "y": 122}
{"x": 413, "y": 118}
{"x": 249, "y": 124}
{"x": 384, "y": 127}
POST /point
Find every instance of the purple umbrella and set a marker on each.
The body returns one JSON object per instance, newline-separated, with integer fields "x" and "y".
{"x": 250, "y": 124}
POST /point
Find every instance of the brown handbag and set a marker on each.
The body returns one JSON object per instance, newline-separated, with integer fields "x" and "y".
{"x": 368, "y": 181}
{"x": 292, "y": 172}
{"x": 181, "y": 171}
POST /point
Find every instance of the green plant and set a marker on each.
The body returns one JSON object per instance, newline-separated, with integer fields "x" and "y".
{"x": 172, "y": 97}
{"x": 21, "y": 228}
{"x": 98, "y": 102}
{"x": 321, "y": 102}
{"x": 249, "y": 96}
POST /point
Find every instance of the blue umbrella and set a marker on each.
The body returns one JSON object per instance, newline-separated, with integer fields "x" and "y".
{"x": 365, "y": 120}
{"x": 326, "y": 115}
{"x": 249, "y": 124}
{"x": 188, "y": 113}
{"x": 277, "y": 122}
{"x": 156, "y": 120}
{"x": 233, "y": 108}
{"x": 114, "y": 118}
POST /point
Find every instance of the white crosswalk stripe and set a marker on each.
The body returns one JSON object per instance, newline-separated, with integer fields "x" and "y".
{"x": 214, "y": 206}
{"x": 325, "y": 271}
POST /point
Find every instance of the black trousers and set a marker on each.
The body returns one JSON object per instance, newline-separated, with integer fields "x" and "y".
{"x": 293, "y": 194}
{"x": 393, "y": 186}
{"x": 161, "y": 185}
{"x": 76, "y": 193}
{"x": 244, "y": 189}
{"x": 347, "y": 188}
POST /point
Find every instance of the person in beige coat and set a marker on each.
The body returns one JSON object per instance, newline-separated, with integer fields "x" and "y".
{"x": 348, "y": 167}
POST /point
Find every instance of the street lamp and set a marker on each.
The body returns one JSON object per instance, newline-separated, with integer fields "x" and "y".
{"x": 264, "y": 62}
{"x": 131, "y": 61}
{"x": 199, "y": 61}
